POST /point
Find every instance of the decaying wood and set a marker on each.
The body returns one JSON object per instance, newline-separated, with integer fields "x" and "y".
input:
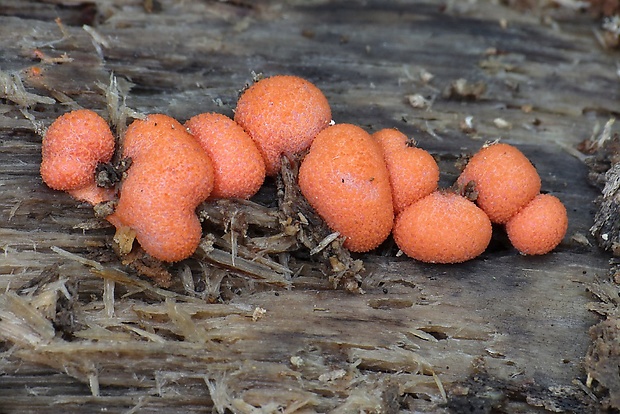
{"x": 604, "y": 163}
{"x": 603, "y": 158}
{"x": 604, "y": 352}
{"x": 252, "y": 323}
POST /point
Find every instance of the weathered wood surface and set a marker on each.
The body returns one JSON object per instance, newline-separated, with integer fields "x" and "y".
{"x": 502, "y": 332}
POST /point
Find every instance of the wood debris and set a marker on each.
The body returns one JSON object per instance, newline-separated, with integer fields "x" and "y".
{"x": 603, "y": 357}
{"x": 604, "y": 164}
{"x": 462, "y": 89}
{"x": 12, "y": 88}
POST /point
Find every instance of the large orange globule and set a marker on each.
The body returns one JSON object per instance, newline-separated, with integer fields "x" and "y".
{"x": 539, "y": 227}
{"x": 72, "y": 147}
{"x": 238, "y": 165}
{"x": 282, "y": 114}
{"x": 442, "y": 228}
{"x": 413, "y": 171}
{"x": 169, "y": 176}
{"x": 505, "y": 180}
{"x": 345, "y": 179}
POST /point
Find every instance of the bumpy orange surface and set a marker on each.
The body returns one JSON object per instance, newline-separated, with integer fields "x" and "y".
{"x": 413, "y": 172}
{"x": 539, "y": 227}
{"x": 345, "y": 179}
{"x": 504, "y": 179}
{"x": 282, "y": 114}
{"x": 238, "y": 165}
{"x": 442, "y": 228}
{"x": 72, "y": 147}
{"x": 169, "y": 176}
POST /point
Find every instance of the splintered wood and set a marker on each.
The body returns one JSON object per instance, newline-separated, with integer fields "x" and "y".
{"x": 603, "y": 158}
{"x": 201, "y": 342}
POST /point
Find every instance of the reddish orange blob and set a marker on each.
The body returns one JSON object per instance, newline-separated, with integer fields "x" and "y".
{"x": 504, "y": 178}
{"x": 345, "y": 179}
{"x": 34, "y": 72}
{"x": 413, "y": 172}
{"x": 72, "y": 147}
{"x": 539, "y": 227}
{"x": 442, "y": 228}
{"x": 238, "y": 165}
{"x": 169, "y": 176}
{"x": 282, "y": 114}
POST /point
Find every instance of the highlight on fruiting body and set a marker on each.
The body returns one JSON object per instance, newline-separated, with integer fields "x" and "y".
{"x": 345, "y": 179}
{"x": 538, "y": 227}
{"x": 413, "y": 171}
{"x": 442, "y": 227}
{"x": 282, "y": 114}
{"x": 237, "y": 163}
{"x": 169, "y": 176}
{"x": 72, "y": 147}
{"x": 504, "y": 180}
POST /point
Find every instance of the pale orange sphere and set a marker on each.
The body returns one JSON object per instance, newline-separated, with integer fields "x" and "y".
{"x": 72, "y": 147}
{"x": 344, "y": 178}
{"x": 414, "y": 174}
{"x": 237, "y": 163}
{"x": 504, "y": 179}
{"x": 282, "y": 114}
{"x": 169, "y": 176}
{"x": 442, "y": 228}
{"x": 539, "y": 227}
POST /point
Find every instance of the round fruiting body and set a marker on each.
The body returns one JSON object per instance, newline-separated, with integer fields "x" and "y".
{"x": 237, "y": 163}
{"x": 72, "y": 147}
{"x": 344, "y": 178}
{"x": 169, "y": 176}
{"x": 282, "y": 114}
{"x": 504, "y": 180}
{"x": 413, "y": 171}
{"x": 538, "y": 227}
{"x": 442, "y": 228}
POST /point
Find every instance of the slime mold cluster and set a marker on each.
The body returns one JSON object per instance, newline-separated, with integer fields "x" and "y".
{"x": 365, "y": 187}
